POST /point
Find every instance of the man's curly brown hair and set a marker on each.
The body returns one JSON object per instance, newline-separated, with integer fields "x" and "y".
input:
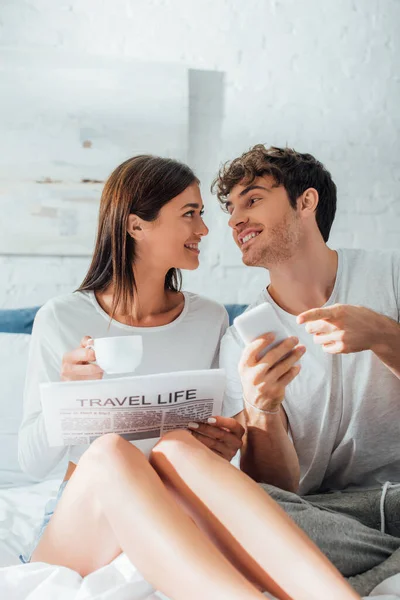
{"x": 295, "y": 171}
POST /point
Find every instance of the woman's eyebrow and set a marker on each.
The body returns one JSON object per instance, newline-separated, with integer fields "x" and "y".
{"x": 192, "y": 205}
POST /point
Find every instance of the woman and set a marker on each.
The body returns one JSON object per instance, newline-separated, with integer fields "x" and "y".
{"x": 150, "y": 226}
{"x": 186, "y": 536}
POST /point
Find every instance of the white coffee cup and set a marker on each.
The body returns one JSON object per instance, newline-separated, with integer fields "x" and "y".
{"x": 121, "y": 354}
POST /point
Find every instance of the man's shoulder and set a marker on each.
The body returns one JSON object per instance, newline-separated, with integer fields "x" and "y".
{"x": 360, "y": 257}
{"x": 232, "y": 336}
{"x": 262, "y": 297}
{"x": 375, "y": 270}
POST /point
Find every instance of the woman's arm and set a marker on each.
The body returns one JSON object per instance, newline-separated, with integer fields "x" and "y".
{"x": 48, "y": 362}
{"x": 35, "y": 456}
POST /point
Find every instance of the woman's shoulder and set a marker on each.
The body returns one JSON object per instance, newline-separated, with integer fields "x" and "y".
{"x": 207, "y": 307}
{"x": 58, "y": 307}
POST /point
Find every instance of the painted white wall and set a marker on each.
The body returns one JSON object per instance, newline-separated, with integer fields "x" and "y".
{"x": 322, "y": 77}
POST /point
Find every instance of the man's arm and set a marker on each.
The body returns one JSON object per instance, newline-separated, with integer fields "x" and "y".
{"x": 343, "y": 328}
{"x": 267, "y": 454}
{"x": 387, "y": 344}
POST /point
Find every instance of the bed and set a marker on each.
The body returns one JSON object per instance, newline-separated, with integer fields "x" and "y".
{"x": 21, "y": 510}
{"x": 22, "y": 500}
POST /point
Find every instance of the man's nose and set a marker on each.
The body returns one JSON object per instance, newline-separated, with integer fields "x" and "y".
{"x": 236, "y": 219}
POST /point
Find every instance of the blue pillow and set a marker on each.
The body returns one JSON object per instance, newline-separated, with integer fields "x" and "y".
{"x": 234, "y": 310}
{"x": 19, "y": 320}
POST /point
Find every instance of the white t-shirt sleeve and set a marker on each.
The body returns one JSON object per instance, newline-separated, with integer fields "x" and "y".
{"x": 224, "y": 326}
{"x": 35, "y": 456}
{"x": 396, "y": 270}
{"x": 230, "y": 353}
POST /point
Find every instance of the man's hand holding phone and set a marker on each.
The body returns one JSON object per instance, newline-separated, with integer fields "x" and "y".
{"x": 264, "y": 379}
{"x": 268, "y": 362}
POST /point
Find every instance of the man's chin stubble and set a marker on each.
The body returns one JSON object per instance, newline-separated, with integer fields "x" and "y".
{"x": 253, "y": 260}
{"x": 265, "y": 259}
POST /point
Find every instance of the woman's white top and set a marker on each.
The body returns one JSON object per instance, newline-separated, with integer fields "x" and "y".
{"x": 190, "y": 342}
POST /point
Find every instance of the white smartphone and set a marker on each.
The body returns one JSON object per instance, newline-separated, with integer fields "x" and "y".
{"x": 258, "y": 321}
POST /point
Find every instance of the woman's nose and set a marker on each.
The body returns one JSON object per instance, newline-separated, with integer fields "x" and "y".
{"x": 204, "y": 229}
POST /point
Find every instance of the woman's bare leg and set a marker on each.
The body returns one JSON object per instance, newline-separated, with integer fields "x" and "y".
{"x": 116, "y": 501}
{"x": 245, "y": 523}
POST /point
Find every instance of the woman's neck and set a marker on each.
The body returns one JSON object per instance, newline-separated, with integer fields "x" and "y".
{"x": 152, "y": 304}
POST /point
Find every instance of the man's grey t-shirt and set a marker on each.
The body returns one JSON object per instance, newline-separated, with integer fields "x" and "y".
{"x": 343, "y": 410}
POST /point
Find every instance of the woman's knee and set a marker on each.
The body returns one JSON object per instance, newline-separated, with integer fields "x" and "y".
{"x": 177, "y": 438}
{"x": 108, "y": 443}
{"x": 111, "y": 447}
{"x": 176, "y": 446}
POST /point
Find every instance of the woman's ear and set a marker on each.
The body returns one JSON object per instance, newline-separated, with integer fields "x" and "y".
{"x": 135, "y": 229}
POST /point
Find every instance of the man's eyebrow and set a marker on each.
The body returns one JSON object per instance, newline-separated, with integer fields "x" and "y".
{"x": 249, "y": 188}
{"x": 253, "y": 187}
{"x": 192, "y": 205}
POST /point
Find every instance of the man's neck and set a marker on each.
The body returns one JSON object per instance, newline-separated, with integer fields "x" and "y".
{"x": 306, "y": 281}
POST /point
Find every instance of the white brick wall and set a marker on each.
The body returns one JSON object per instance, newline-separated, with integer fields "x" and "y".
{"x": 321, "y": 76}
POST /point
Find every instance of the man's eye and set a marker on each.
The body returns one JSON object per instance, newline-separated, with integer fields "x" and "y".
{"x": 252, "y": 200}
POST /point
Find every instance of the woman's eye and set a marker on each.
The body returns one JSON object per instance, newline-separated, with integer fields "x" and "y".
{"x": 191, "y": 213}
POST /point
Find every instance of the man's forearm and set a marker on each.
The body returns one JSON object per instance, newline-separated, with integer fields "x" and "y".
{"x": 268, "y": 455}
{"x": 386, "y": 345}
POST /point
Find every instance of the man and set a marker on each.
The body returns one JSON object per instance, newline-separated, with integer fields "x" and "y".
{"x": 321, "y": 410}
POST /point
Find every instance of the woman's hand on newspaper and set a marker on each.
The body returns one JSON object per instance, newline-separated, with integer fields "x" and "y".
{"x": 76, "y": 365}
{"x": 223, "y": 435}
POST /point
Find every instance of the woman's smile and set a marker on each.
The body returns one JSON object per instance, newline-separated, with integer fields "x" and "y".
{"x": 193, "y": 247}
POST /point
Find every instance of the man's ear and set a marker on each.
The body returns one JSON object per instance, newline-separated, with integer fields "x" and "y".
{"x": 135, "y": 229}
{"x": 307, "y": 203}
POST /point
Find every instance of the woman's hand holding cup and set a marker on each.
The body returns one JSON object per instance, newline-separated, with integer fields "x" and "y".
{"x": 118, "y": 354}
{"x": 77, "y": 364}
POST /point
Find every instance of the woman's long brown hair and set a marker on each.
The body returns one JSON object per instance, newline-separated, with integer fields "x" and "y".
{"x": 141, "y": 185}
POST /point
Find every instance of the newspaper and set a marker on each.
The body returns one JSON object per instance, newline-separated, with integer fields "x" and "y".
{"x": 139, "y": 408}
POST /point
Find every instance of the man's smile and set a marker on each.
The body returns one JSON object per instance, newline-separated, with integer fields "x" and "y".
{"x": 246, "y": 237}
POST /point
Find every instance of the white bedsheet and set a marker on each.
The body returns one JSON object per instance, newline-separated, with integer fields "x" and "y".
{"x": 21, "y": 510}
